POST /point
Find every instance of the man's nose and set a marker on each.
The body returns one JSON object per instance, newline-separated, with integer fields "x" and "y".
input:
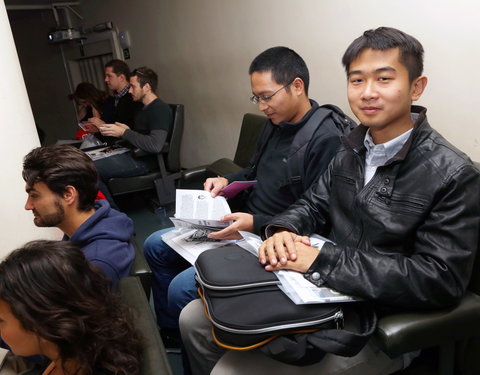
{"x": 28, "y": 205}
{"x": 369, "y": 91}
{"x": 262, "y": 106}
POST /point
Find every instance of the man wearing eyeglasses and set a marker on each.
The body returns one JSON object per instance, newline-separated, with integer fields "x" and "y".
{"x": 279, "y": 81}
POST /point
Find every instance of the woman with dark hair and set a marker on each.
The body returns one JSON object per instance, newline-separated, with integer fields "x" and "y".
{"x": 90, "y": 101}
{"x": 54, "y": 303}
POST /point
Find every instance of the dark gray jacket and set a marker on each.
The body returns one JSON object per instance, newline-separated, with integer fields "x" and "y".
{"x": 406, "y": 239}
{"x": 268, "y": 197}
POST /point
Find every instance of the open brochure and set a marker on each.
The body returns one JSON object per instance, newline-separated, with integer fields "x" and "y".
{"x": 197, "y": 209}
{"x": 196, "y": 215}
{"x": 293, "y": 284}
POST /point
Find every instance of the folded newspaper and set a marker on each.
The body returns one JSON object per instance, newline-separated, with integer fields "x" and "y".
{"x": 196, "y": 215}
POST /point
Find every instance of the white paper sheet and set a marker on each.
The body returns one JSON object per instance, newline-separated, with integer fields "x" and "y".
{"x": 293, "y": 284}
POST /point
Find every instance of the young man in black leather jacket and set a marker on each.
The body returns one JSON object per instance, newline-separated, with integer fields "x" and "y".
{"x": 399, "y": 202}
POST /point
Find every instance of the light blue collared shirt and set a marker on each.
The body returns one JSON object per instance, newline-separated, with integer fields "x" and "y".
{"x": 378, "y": 155}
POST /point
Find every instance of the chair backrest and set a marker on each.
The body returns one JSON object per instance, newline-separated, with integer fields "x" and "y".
{"x": 174, "y": 139}
{"x": 474, "y": 285}
{"x": 252, "y": 124}
{"x": 155, "y": 360}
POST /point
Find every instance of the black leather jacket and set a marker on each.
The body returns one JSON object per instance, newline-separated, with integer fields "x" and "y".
{"x": 406, "y": 239}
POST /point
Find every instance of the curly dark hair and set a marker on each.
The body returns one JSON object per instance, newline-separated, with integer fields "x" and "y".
{"x": 59, "y": 166}
{"x": 55, "y": 293}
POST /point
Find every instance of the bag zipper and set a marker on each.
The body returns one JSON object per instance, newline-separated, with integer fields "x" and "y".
{"x": 337, "y": 317}
{"x": 235, "y": 287}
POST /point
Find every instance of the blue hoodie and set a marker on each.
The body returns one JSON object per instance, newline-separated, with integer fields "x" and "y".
{"x": 104, "y": 238}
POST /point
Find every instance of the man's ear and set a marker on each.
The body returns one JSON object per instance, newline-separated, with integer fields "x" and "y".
{"x": 298, "y": 86}
{"x": 418, "y": 86}
{"x": 70, "y": 195}
{"x": 147, "y": 87}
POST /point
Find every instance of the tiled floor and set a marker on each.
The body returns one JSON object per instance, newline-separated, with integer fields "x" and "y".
{"x": 142, "y": 211}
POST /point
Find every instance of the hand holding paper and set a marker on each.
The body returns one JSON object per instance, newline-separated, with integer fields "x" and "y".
{"x": 241, "y": 222}
{"x": 214, "y": 185}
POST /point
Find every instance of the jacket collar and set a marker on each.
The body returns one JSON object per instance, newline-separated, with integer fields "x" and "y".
{"x": 421, "y": 129}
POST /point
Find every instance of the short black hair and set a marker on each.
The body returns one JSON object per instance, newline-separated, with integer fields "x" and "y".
{"x": 146, "y": 75}
{"x": 58, "y": 166}
{"x": 284, "y": 64}
{"x": 119, "y": 67}
{"x": 384, "y": 38}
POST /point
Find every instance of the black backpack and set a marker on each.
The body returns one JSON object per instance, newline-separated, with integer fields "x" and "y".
{"x": 296, "y": 156}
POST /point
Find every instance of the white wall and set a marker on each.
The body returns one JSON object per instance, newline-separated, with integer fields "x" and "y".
{"x": 44, "y": 73}
{"x": 18, "y": 138}
{"x": 202, "y": 49}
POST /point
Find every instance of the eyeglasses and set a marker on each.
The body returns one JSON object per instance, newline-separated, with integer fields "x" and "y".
{"x": 265, "y": 99}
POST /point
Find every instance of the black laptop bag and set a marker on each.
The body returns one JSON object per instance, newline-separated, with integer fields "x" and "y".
{"x": 248, "y": 311}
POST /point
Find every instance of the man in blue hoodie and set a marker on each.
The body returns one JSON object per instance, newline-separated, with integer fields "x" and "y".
{"x": 62, "y": 184}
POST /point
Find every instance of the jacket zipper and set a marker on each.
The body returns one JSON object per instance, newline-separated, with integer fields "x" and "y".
{"x": 402, "y": 202}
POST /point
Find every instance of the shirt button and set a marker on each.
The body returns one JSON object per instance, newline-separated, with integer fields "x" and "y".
{"x": 315, "y": 276}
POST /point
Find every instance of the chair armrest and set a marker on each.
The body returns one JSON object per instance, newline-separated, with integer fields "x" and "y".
{"x": 194, "y": 173}
{"x": 154, "y": 359}
{"x": 406, "y": 332}
{"x": 140, "y": 267}
{"x": 223, "y": 166}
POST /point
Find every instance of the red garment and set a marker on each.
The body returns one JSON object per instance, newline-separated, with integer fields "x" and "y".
{"x": 100, "y": 196}
{"x": 80, "y": 133}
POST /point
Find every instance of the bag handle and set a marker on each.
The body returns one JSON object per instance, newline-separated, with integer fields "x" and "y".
{"x": 306, "y": 349}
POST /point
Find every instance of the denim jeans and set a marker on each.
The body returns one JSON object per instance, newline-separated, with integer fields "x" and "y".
{"x": 122, "y": 165}
{"x": 174, "y": 285}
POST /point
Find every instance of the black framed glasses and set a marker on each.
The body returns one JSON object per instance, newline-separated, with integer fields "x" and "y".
{"x": 265, "y": 99}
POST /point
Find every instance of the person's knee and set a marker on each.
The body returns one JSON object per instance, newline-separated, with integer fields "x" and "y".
{"x": 151, "y": 244}
{"x": 154, "y": 246}
{"x": 192, "y": 319}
